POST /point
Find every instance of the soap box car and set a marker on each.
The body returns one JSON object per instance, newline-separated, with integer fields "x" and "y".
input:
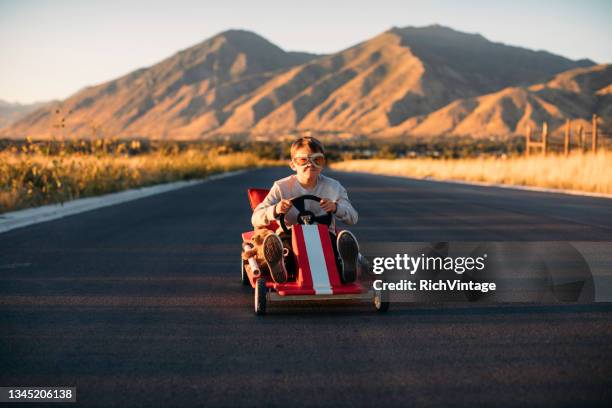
{"x": 316, "y": 276}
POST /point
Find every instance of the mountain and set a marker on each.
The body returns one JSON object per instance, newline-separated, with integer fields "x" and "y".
{"x": 11, "y": 112}
{"x": 575, "y": 94}
{"x": 388, "y": 80}
{"x": 239, "y": 83}
{"x": 184, "y": 95}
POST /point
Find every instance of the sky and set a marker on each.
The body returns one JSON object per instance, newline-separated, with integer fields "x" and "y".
{"x": 51, "y": 49}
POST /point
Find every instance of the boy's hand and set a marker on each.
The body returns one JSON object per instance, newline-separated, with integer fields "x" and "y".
{"x": 328, "y": 205}
{"x": 282, "y": 207}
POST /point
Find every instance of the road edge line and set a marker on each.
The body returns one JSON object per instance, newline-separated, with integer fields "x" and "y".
{"x": 526, "y": 188}
{"x": 485, "y": 184}
{"x": 30, "y": 216}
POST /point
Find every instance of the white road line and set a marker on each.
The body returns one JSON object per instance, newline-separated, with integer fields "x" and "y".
{"x": 23, "y": 218}
{"x": 486, "y": 184}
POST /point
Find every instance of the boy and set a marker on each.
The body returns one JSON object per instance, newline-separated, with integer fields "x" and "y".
{"x": 307, "y": 160}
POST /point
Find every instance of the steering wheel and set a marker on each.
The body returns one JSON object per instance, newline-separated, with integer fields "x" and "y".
{"x": 304, "y": 216}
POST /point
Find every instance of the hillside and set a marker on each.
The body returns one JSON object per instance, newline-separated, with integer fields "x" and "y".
{"x": 12, "y": 112}
{"x": 575, "y": 94}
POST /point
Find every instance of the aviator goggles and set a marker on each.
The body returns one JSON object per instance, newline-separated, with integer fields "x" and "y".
{"x": 317, "y": 160}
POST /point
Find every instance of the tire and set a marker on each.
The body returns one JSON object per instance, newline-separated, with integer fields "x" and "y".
{"x": 381, "y": 302}
{"x": 244, "y": 278}
{"x": 260, "y": 296}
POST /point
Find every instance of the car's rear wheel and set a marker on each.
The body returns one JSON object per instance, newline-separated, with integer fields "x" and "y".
{"x": 260, "y": 296}
{"x": 381, "y": 301}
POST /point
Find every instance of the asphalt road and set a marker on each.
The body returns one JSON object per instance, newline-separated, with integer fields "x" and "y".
{"x": 140, "y": 304}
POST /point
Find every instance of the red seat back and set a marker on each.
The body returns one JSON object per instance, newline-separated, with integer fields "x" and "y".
{"x": 256, "y": 196}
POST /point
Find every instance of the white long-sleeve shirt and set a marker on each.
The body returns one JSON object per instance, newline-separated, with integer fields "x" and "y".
{"x": 289, "y": 187}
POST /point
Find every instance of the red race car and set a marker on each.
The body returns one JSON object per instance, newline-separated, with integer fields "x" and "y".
{"x": 313, "y": 270}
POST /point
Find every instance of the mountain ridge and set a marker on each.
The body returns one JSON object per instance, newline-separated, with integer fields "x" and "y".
{"x": 237, "y": 82}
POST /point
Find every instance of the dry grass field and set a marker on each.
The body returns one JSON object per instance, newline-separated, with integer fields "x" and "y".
{"x": 579, "y": 171}
{"x": 32, "y": 175}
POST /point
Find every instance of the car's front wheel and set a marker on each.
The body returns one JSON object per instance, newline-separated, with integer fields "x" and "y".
{"x": 244, "y": 277}
{"x": 381, "y": 301}
{"x": 260, "y": 296}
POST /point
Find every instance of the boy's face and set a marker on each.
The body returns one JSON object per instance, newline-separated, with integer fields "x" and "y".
{"x": 306, "y": 163}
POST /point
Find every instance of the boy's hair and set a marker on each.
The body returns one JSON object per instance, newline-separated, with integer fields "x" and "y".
{"x": 307, "y": 141}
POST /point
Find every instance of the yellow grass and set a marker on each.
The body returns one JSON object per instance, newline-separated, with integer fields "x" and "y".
{"x": 34, "y": 178}
{"x": 579, "y": 171}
